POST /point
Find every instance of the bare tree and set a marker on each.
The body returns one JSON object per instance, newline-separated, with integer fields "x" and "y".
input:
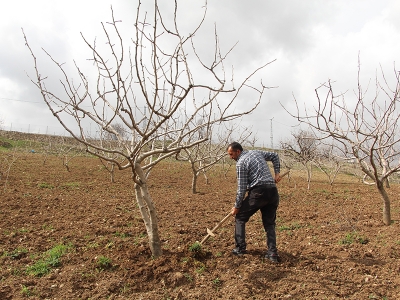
{"x": 202, "y": 157}
{"x": 227, "y": 164}
{"x": 66, "y": 148}
{"x": 109, "y": 140}
{"x": 251, "y": 141}
{"x": 328, "y": 162}
{"x": 111, "y": 136}
{"x": 288, "y": 163}
{"x": 303, "y": 149}
{"x": 366, "y": 131}
{"x": 47, "y": 148}
{"x": 6, "y": 163}
{"x": 159, "y": 89}
{"x": 66, "y": 152}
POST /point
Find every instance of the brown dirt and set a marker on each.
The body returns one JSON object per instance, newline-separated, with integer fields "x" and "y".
{"x": 332, "y": 241}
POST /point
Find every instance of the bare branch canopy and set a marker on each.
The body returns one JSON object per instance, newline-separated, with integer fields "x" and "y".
{"x": 152, "y": 92}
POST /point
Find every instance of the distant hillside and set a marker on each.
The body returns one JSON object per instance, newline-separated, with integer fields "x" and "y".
{"x": 41, "y": 138}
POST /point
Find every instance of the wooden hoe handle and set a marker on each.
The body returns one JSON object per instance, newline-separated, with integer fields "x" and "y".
{"x": 211, "y": 232}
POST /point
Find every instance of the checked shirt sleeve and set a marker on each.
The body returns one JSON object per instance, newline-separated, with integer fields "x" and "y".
{"x": 242, "y": 180}
{"x": 274, "y": 158}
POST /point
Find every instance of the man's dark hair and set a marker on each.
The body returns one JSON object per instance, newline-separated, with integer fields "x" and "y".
{"x": 235, "y": 146}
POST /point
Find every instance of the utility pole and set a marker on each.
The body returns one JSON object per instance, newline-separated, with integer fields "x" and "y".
{"x": 272, "y": 137}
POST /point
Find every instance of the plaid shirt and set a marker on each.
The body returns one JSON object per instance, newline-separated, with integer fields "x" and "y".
{"x": 252, "y": 170}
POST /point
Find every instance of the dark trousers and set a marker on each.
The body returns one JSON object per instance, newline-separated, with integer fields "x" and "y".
{"x": 265, "y": 199}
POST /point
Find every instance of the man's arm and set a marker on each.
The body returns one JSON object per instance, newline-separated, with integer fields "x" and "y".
{"x": 241, "y": 188}
{"x": 241, "y": 185}
{"x": 277, "y": 177}
{"x": 274, "y": 158}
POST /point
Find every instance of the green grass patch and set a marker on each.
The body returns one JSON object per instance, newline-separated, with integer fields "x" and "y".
{"x": 73, "y": 185}
{"x": 109, "y": 245}
{"x": 195, "y": 247}
{"x": 353, "y": 237}
{"x": 92, "y": 245}
{"x": 103, "y": 263}
{"x": 25, "y": 291}
{"x": 47, "y": 227}
{"x": 17, "y": 253}
{"x": 45, "y": 185}
{"x": 200, "y": 269}
{"x": 6, "y": 144}
{"x": 185, "y": 260}
{"x": 48, "y": 260}
{"x": 292, "y": 226}
{"x": 188, "y": 277}
{"x": 217, "y": 283}
{"x": 121, "y": 235}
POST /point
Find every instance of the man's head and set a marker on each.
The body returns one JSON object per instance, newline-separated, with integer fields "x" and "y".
{"x": 234, "y": 149}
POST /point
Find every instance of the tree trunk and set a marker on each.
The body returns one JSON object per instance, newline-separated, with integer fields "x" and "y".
{"x": 112, "y": 172}
{"x": 206, "y": 177}
{"x": 386, "y": 203}
{"x": 308, "y": 168}
{"x": 148, "y": 212}
{"x": 194, "y": 178}
{"x": 387, "y": 182}
{"x": 194, "y": 182}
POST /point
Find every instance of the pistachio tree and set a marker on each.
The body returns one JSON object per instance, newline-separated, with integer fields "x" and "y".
{"x": 302, "y": 148}
{"x": 363, "y": 127}
{"x": 203, "y": 157}
{"x": 157, "y": 85}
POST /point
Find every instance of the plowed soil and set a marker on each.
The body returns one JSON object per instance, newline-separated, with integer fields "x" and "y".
{"x": 331, "y": 239}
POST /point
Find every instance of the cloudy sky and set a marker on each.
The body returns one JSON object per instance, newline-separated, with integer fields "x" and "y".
{"x": 311, "y": 40}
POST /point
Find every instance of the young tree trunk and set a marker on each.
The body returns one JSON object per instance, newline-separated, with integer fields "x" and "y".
{"x": 205, "y": 177}
{"x": 148, "y": 212}
{"x": 387, "y": 182}
{"x": 386, "y": 203}
{"x": 194, "y": 178}
{"x": 65, "y": 163}
{"x": 112, "y": 172}
{"x": 308, "y": 168}
{"x": 194, "y": 182}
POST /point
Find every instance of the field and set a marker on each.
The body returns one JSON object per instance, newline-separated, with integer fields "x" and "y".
{"x": 77, "y": 235}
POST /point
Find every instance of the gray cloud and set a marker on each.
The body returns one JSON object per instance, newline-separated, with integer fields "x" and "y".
{"x": 312, "y": 41}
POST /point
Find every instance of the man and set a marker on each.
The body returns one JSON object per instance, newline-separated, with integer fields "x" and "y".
{"x": 254, "y": 176}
